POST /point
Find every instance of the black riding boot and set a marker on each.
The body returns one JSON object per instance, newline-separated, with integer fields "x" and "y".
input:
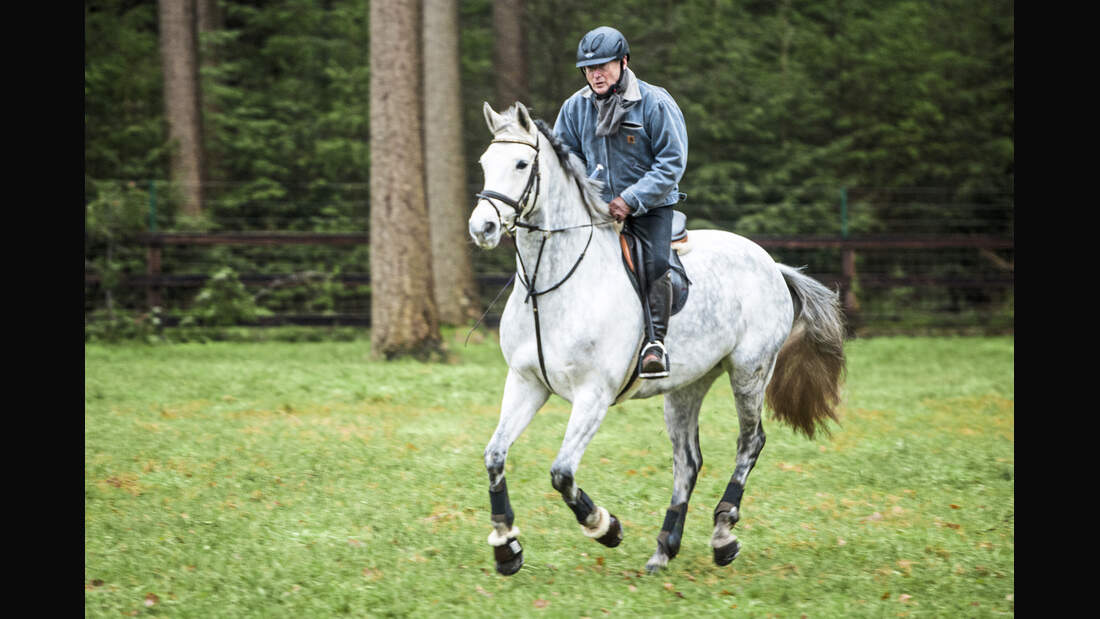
{"x": 655, "y": 361}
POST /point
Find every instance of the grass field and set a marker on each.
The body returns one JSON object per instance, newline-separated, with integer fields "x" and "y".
{"x": 305, "y": 480}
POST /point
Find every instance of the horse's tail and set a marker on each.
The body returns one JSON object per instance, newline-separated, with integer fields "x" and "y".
{"x": 805, "y": 387}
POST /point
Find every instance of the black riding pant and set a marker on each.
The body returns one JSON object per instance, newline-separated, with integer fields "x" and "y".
{"x": 654, "y": 230}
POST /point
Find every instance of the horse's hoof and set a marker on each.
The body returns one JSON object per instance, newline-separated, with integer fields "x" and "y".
{"x": 656, "y": 563}
{"x": 614, "y": 535}
{"x": 509, "y": 557}
{"x": 726, "y": 554}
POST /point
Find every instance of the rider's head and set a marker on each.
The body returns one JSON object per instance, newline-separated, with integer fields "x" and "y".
{"x": 602, "y": 55}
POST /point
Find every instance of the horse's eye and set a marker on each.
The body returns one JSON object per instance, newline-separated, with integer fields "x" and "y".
{"x": 521, "y": 165}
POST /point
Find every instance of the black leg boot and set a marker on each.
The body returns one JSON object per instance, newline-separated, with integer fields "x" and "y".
{"x": 655, "y": 361}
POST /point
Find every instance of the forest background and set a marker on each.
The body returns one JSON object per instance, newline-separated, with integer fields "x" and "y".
{"x": 903, "y": 107}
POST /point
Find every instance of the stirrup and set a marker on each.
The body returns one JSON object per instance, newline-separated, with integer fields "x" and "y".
{"x": 654, "y": 370}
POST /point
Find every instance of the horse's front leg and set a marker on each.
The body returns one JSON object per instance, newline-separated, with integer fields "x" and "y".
{"x": 522, "y": 399}
{"x": 596, "y": 522}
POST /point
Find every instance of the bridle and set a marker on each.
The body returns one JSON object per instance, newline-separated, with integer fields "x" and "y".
{"x": 534, "y": 181}
{"x": 523, "y": 207}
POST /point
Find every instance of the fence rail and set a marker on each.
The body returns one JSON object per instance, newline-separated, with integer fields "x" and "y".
{"x": 1001, "y": 274}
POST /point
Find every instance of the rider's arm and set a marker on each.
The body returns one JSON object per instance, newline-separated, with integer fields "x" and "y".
{"x": 668, "y": 140}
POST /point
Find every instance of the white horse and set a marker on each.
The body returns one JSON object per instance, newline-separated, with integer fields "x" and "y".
{"x": 573, "y": 326}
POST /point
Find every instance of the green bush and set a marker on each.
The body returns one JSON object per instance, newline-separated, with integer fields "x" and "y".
{"x": 223, "y": 301}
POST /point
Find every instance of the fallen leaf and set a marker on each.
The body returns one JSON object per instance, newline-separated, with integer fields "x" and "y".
{"x": 904, "y": 597}
{"x": 151, "y": 599}
{"x": 484, "y": 592}
{"x": 953, "y": 506}
{"x": 840, "y": 541}
{"x": 886, "y": 596}
{"x": 668, "y": 586}
{"x": 540, "y": 603}
{"x": 371, "y": 574}
{"x": 631, "y": 588}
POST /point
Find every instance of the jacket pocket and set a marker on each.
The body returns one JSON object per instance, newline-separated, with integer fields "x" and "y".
{"x": 633, "y": 144}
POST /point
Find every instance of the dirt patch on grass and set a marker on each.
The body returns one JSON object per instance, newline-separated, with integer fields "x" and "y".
{"x": 986, "y": 415}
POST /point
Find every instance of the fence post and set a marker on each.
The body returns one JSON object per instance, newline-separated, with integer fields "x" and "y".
{"x": 152, "y": 271}
{"x": 152, "y": 252}
{"x": 847, "y": 259}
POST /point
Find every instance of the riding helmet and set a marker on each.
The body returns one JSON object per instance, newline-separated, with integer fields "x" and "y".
{"x": 601, "y": 45}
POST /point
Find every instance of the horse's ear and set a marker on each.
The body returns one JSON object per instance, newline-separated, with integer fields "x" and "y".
{"x": 524, "y": 117}
{"x": 492, "y": 119}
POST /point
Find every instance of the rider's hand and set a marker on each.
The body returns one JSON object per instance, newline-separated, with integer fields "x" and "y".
{"x": 619, "y": 208}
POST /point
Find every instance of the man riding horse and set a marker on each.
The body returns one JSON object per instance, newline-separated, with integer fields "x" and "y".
{"x": 631, "y": 136}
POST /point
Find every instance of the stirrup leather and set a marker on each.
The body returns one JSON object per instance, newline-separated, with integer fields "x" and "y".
{"x": 655, "y": 373}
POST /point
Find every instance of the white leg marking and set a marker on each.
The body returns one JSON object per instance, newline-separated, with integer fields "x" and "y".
{"x": 602, "y": 525}
{"x": 723, "y": 532}
{"x": 496, "y": 539}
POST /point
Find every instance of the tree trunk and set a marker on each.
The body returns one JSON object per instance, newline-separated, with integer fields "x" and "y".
{"x": 455, "y": 293}
{"x": 211, "y": 21}
{"x": 179, "y": 54}
{"x": 509, "y": 53}
{"x": 404, "y": 320}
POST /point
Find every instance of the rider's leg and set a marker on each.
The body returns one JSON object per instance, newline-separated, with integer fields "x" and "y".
{"x": 654, "y": 231}
{"x": 655, "y": 356}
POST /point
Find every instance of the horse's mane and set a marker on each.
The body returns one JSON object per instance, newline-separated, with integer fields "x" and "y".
{"x": 590, "y": 188}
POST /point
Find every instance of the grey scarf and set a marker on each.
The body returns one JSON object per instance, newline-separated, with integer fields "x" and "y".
{"x": 612, "y": 107}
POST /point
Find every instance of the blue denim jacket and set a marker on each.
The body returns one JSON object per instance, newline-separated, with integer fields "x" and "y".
{"x": 645, "y": 160}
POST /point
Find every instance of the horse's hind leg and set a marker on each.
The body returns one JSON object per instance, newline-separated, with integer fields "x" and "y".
{"x": 682, "y": 421}
{"x": 596, "y": 522}
{"x": 522, "y": 399}
{"x": 749, "y": 395}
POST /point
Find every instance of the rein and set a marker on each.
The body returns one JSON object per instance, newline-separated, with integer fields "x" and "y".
{"x": 534, "y": 181}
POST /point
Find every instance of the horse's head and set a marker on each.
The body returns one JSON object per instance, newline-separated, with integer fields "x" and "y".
{"x": 510, "y": 165}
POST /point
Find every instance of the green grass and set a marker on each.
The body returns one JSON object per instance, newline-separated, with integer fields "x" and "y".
{"x": 306, "y": 480}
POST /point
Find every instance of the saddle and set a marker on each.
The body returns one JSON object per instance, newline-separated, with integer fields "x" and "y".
{"x": 632, "y": 255}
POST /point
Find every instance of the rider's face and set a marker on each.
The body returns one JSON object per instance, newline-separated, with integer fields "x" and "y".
{"x": 602, "y": 76}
